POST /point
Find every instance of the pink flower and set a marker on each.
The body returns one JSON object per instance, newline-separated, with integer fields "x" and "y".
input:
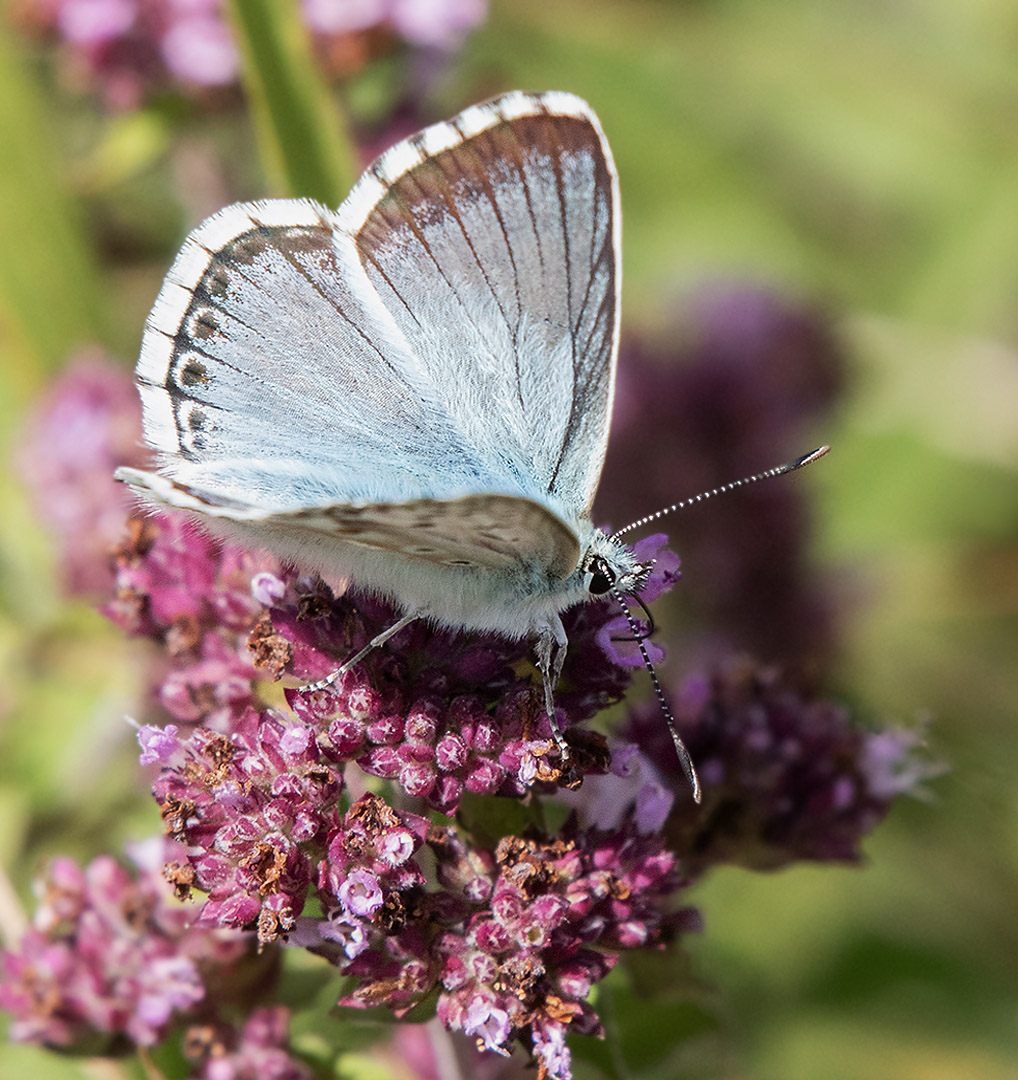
{"x": 200, "y": 49}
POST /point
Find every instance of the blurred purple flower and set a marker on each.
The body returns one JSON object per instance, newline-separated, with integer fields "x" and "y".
{"x": 743, "y": 383}
{"x": 431, "y": 1052}
{"x": 94, "y": 22}
{"x": 134, "y": 49}
{"x": 634, "y": 789}
{"x": 87, "y": 424}
{"x": 785, "y": 777}
{"x": 436, "y": 24}
{"x": 198, "y": 49}
{"x": 258, "y": 1049}
{"x": 343, "y": 16}
{"x": 110, "y": 956}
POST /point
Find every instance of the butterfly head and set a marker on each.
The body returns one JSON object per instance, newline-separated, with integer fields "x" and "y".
{"x": 610, "y": 566}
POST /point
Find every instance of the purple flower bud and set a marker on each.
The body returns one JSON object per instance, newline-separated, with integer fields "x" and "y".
{"x": 386, "y": 730}
{"x": 486, "y": 737}
{"x": 238, "y": 910}
{"x": 298, "y": 742}
{"x": 447, "y": 794}
{"x": 346, "y": 736}
{"x": 491, "y": 937}
{"x": 485, "y": 779}
{"x": 420, "y": 727}
{"x": 417, "y": 779}
{"x": 362, "y": 703}
{"x": 384, "y": 761}
{"x": 450, "y": 752}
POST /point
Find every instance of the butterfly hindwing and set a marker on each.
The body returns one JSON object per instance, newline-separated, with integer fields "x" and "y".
{"x": 494, "y": 532}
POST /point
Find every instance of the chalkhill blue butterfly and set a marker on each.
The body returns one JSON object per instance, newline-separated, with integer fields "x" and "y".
{"x": 413, "y": 390}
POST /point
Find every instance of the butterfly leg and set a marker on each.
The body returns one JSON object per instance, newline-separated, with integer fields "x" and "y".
{"x": 378, "y": 639}
{"x": 551, "y": 657}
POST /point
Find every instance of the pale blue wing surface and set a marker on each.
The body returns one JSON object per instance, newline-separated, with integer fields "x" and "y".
{"x": 271, "y": 372}
{"x": 492, "y": 240}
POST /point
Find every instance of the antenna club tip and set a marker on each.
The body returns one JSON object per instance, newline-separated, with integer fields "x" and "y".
{"x": 686, "y": 762}
{"x": 812, "y": 456}
{"x": 799, "y": 462}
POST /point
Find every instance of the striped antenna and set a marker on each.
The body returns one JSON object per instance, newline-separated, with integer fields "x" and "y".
{"x": 778, "y": 470}
{"x": 680, "y": 747}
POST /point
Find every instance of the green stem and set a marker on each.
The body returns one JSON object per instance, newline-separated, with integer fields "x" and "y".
{"x": 304, "y": 144}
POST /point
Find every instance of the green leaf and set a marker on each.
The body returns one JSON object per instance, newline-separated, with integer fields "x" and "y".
{"x": 655, "y": 1024}
{"x": 487, "y": 818}
{"x": 305, "y": 149}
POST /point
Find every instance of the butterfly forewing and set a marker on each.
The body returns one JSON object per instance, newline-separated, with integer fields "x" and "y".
{"x": 278, "y": 354}
{"x": 492, "y": 241}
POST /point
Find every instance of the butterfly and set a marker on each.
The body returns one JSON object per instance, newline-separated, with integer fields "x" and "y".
{"x": 414, "y": 390}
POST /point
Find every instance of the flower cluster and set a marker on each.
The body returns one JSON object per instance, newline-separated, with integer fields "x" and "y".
{"x": 249, "y": 809}
{"x": 83, "y": 428}
{"x": 437, "y": 713}
{"x": 254, "y": 794}
{"x": 177, "y": 586}
{"x": 264, "y": 791}
{"x": 441, "y": 714}
{"x": 785, "y": 777}
{"x": 133, "y": 49}
{"x": 255, "y": 1050}
{"x": 429, "y": 1051}
{"x": 518, "y": 934}
{"x": 435, "y": 24}
{"x": 109, "y": 957}
{"x": 113, "y": 961}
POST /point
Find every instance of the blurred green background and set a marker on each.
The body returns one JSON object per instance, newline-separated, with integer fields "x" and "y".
{"x": 860, "y": 153}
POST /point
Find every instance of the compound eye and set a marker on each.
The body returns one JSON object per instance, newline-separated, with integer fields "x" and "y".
{"x": 601, "y": 578}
